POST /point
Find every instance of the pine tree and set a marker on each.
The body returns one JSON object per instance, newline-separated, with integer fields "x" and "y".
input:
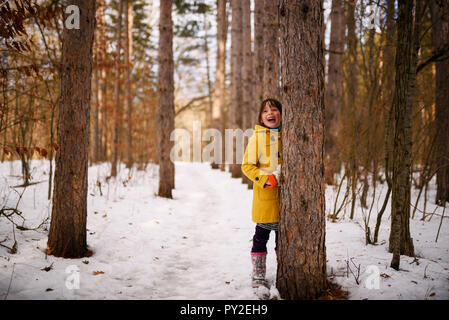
{"x": 166, "y": 100}
{"x": 67, "y": 236}
{"x": 301, "y": 270}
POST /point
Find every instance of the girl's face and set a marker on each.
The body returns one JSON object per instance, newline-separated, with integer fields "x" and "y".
{"x": 271, "y": 117}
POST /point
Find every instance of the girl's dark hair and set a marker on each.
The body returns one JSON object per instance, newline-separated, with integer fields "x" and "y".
{"x": 272, "y": 102}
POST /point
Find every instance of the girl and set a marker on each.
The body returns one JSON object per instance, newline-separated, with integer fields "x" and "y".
{"x": 261, "y": 164}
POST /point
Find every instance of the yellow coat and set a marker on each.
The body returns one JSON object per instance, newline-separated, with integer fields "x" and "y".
{"x": 262, "y": 156}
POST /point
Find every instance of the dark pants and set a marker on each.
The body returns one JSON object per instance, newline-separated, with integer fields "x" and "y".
{"x": 260, "y": 240}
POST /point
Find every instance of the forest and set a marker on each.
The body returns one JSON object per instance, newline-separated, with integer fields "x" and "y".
{"x": 123, "y": 130}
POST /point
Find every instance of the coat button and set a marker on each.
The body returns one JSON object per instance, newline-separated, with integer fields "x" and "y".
{"x": 257, "y": 178}
{"x": 272, "y": 138}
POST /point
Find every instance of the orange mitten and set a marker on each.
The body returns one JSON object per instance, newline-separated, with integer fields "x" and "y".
{"x": 273, "y": 181}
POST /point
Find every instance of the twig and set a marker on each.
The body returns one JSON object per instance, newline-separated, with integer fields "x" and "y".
{"x": 10, "y": 281}
{"x": 441, "y": 221}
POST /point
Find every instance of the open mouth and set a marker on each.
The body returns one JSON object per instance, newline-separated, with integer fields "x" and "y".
{"x": 271, "y": 119}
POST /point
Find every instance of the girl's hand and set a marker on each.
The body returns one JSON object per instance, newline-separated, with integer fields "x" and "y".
{"x": 271, "y": 182}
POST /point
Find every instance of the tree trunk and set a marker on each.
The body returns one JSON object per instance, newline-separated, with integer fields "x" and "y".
{"x": 67, "y": 236}
{"x": 259, "y": 56}
{"x": 247, "y": 70}
{"x": 301, "y": 252}
{"x": 235, "y": 112}
{"x": 166, "y": 100}
{"x": 128, "y": 82}
{"x": 351, "y": 107}
{"x": 247, "y": 76}
{"x": 101, "y": 70}
{"x": 440, "y": 36}
{"x": 400, "y": 240}
{"x": 117, "y": 111}
{"x": 271, "y": 50}
{"x": 218, "y": 107}
{"x": 209, "y": 84}
{"x": 334, "y": 86}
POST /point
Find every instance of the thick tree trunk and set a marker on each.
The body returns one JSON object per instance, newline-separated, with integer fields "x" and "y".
{"x": 400, "y": 240}
{"x": 334, "y": 88}
{"x": 117, "y": 111}
{"x": 218, "y": 107}
{"x": 166, "y": 100}
{"x": 271, "y": 51}
{"x": 440, "y": 36}
{"x": 67, "y": 236}
{"x": 235, "y": 112}
{"x": 301, "y": 252}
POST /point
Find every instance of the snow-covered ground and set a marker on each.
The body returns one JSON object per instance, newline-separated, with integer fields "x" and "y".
{"x": 197, "y": 245}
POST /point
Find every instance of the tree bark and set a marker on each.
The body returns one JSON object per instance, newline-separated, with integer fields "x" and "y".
{"x": 259, "y": 56}
{"x": 440, "y": 37}
{"x": 166, "y": 100}
{"x": 117, "y": 111}
{"x": 400, "y": 239}
{"x": 235, "y": 112}
{"x": 206, "y": 54}
{"x": 218, "y": 107}
{"x": 301, "y": 270}
{"x": 334, "y": 88}
{"x": 271, "y": 51}
{"x": 67, "y": 236}
{"x": 128, "y": 81}
{"x": 247, "y": 76}
{"x": 102, "y": 83}
{"x": 247, "y": 70}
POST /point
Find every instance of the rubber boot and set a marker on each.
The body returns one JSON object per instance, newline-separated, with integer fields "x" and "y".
{"x": 259, "y": 269}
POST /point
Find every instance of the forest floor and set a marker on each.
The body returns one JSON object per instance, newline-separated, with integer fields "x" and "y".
{"x": 197, "y": 245}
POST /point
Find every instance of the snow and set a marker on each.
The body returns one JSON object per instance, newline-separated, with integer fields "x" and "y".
{"x": 197, "y": 245}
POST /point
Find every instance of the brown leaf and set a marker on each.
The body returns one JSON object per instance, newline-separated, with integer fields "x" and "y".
{"x": 97, "y": 272}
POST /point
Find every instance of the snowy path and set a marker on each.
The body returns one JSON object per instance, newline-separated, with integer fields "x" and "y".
{"x": 212, "y": 258}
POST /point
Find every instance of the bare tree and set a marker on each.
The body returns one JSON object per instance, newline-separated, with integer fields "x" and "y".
{"x": 128, "y": 81}
{"x": 166, "y": 100}
{"x": 271, "y": 50}
{"x": 235, "y": 112}
{"x": 259, "y": 56}
{"x": 400, "y": 239}
{"x": 218, "y": 107}
{"x": 301, "y": 253}
{"x": 334, "y": 87}
{"x": 440, "y": 37}
{"x": 117, "y": 111}
{"x": 67, "y": 236}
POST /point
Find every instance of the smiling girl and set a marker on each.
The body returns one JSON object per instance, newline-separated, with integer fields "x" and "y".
{"x": 261, "y": 164}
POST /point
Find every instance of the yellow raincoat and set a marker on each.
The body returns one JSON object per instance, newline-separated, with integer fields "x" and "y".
{"x": 262, "y": 156}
